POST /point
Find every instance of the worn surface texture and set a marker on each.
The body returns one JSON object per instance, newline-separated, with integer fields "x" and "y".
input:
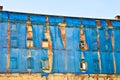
{"x": 68, "y": 41}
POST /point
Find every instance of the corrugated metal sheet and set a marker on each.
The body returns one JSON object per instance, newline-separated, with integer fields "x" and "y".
{"x": 65, "y": 60}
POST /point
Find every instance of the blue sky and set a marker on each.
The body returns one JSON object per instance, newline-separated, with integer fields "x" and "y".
{"x": 77, "y": 8}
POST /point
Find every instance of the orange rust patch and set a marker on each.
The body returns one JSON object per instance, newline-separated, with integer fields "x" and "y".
{"x": 63, "y": 34}
{"x": 82, "y": 38}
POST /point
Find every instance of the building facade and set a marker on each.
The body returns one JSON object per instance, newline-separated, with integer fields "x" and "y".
{"x": 58, "y": 47}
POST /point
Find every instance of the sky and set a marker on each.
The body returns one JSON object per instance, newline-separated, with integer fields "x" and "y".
{"x": 76, "y": 8}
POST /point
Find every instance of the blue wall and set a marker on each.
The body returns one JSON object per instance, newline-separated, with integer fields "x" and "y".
{"x": 64, "y": 60}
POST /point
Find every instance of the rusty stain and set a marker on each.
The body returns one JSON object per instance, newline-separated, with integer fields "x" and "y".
{"x": 50, "y": 52}
{"x": 109, "y": 24}
{"x": 98, "y": 42}
{"x": 82, "y": 38}
{"x": 83, "y": 78}
{"x": 114, "y": 60}
{"x": 98, "y": 23}
{"x": 29, "y": 34}
{"x": 63, "y": 33}
{"x": 8, "y": 46}
{"x": 29, "y": 42}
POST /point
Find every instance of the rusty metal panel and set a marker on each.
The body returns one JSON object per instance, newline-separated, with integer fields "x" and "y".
{"x": 38, "y": 35}
{"x": 115, "y": 24}
{"x": 117, "y": 54}
{"x": 117, "y": 40}
{"x": 55, "y": 61}
{"x": 70, "y": 38}
{"x": 4, "y": 15}
{"x": 44, "y": 53}
{"x": 21, "y": 35}
{"x": 107, "y": 63}
{"x": 36, "y": 65}
{"x": 37, "y": 19}
{"x": 3, "y": 34}
{"x": 72, "y": 22}
{"x": 93, "y": 65}
{"x": 63, "y": 51}
{"x": 77, "y": 61}
{"x": 53, "y": 36}
{"x": 70, "y": 61}
{"x": 55, "y": 20}
{"x": 105, "y": 40}
{"x": 76, "y": 37}
{"x": 96, "y": 69}
{"x": 91, "y": 39}
{"x": 89, "y": 23}
{"x": 58, "y": 43}
{"x": 61, "y": 66}
{"x": 3, "y": 53}
{"x": 17, "y": 17}
{"x": 14, "y": 60}
{"x": 18, "y": 61}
